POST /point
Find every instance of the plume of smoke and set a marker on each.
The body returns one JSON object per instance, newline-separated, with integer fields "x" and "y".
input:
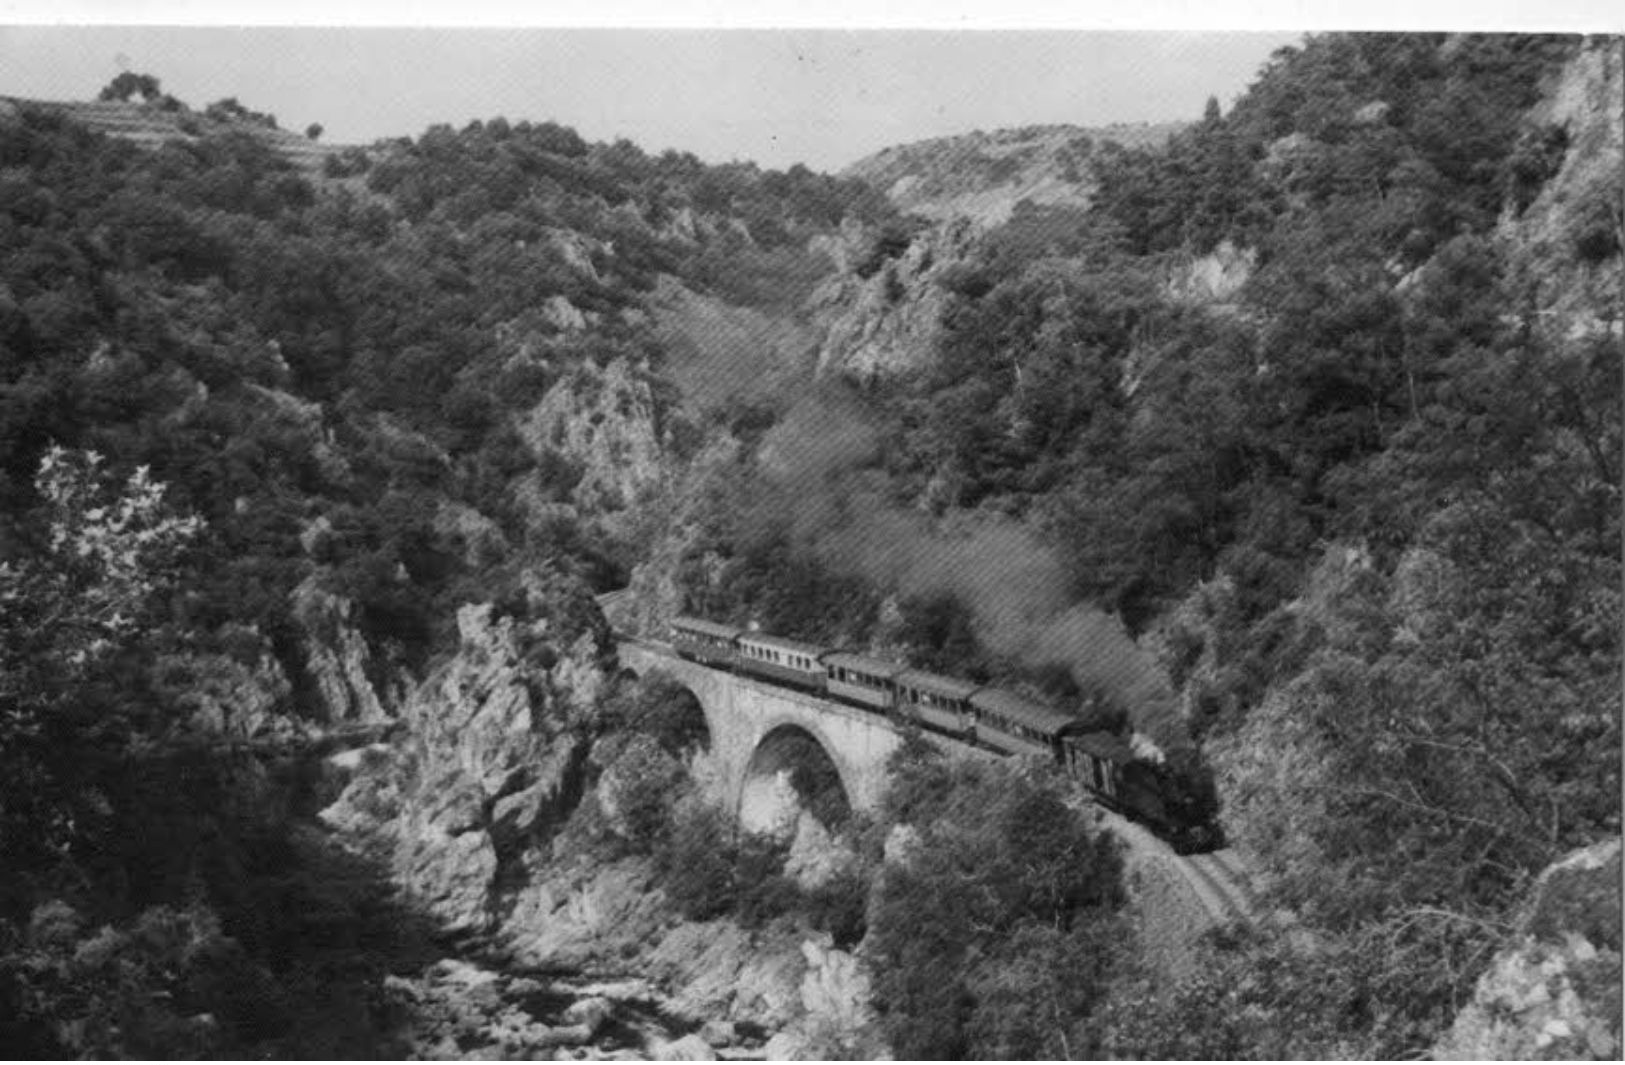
{"x": 820, "y": 464}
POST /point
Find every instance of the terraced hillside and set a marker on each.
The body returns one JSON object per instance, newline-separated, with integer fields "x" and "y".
{"x": 151, "y": 125}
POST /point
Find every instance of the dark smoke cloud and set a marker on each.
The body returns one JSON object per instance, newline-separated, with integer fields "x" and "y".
{"x": 820, "y": 463}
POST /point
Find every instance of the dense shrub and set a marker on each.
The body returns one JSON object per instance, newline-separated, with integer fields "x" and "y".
{"x": 993, "y": 935}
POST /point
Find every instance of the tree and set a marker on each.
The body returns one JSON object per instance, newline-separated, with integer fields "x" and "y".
{"x": 129, "y": 84}
{"x": 314, "y": 131}
{"x": 991, "y": 938}
{"x": 101, "y": 551}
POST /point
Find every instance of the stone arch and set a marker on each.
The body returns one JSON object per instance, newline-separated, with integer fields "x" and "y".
{"x": 792, "y": 768}
{"x": 686, "y": 721}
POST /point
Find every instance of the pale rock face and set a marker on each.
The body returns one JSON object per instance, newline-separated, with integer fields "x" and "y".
{"x": 1587, "y": 102}
{"x": 338, "y": 659}
{"x": 604, "y": 421}
{"x": 719, "y": 970}
{"x": 886, "y": 326}
{"x": 656, "y": 596}
{"x": 837, "y": 1018}
{"x": 1533, "y": 1005}
{"x": 563, "y": 315}
{"x": 561, "y": 918}
{"x": 1553, "y": 993}
{"x": 835, "y": 986}
{"x": 488, "y": 764}
{"x": 448, "y": 873}
{"x": 1214, "y": 279}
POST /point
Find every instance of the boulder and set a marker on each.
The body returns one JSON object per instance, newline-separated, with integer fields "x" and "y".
{"x": 589, "y": 1013}
{"x": 1541, "y": 1001}
{"x": 785, "y": 1046}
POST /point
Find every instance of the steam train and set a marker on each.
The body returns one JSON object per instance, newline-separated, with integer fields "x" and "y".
{"x": 986, "y": 717}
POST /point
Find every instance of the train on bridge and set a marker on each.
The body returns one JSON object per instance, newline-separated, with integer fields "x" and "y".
{"x": 982, "y": 716}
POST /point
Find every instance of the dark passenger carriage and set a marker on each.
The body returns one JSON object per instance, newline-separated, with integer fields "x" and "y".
{"x": 936, "y": 702}
{"x": 704, "y": 641}
{"x": 860, "y": 679}
{"x": 1008, "y": 722}
{"x": 778, "y": 659}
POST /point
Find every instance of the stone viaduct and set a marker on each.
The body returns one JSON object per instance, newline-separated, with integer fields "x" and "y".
{"x": 754, "y": 725}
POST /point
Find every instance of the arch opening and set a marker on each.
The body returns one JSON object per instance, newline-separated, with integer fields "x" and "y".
{"x": 663, "y": 708}
{"x": 791, "y": 772}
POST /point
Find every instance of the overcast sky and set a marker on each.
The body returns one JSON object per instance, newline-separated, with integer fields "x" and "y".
{"x": 824, "y": 97}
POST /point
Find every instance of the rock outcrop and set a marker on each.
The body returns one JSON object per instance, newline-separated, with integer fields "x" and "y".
{"x": 1554, "y": 993}
{"x": 885, "y": 326}
{"x": 338, "y": 660}
{"x": 492, "y": 757}
{"x": 459, "y": 1010}
{"x": 601, "y": 423}
{"x": 837, "y": 1019}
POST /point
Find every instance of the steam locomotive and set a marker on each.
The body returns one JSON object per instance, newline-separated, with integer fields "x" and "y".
{"x": 992, "y": 718}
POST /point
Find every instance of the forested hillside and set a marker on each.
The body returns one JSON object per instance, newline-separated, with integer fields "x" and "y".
{"x": 264, "y": 428}
{"x": 1323, "y": 401}
{"x": 1289, "y": 448}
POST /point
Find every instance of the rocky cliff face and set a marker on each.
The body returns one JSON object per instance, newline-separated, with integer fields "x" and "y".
{"x": 492, "y": 753}
{"x": 1553, "y": 993}
{"x": 601, "y": 421}
{"x": 495, "y": 812}
{"x": 339, "y": 662}
{"x": 886, "y": 325}
{"x": 1564, "y": 237}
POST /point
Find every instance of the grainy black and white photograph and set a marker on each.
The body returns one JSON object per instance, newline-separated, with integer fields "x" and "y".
{"x": 760, "y": 534}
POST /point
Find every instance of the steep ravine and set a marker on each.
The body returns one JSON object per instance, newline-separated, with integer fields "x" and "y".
{"x": 493, "y": 813}
{"x": 494, "y": 810}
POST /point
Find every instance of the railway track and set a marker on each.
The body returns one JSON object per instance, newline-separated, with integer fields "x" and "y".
{"x": 1224, "y": 885}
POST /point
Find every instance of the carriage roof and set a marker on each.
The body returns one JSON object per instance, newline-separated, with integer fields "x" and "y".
{"x": 1021, "y": 710}
{"x": 934, "y": 683}
{"x": 781, "y": 643}
{"x": 874, "y": 667}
